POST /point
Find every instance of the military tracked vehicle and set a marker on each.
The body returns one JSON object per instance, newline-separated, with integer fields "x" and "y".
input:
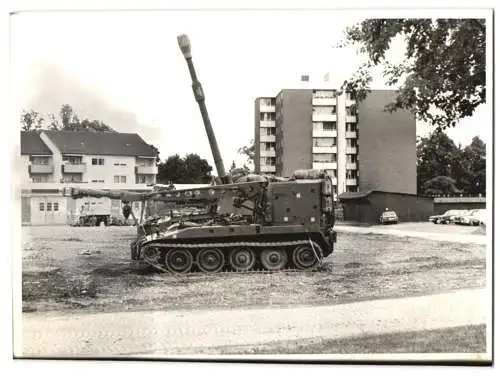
{"x": 252, "y": 222}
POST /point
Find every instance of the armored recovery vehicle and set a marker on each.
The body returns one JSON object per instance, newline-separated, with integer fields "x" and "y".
{"x": 253, "y": 222}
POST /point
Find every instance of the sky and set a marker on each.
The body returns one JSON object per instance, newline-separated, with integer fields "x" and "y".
{"x": 126, "y": 69}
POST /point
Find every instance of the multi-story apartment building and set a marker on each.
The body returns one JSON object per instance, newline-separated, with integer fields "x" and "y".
{"x": 52, "y": 160}
{"x": 361, "y": 146}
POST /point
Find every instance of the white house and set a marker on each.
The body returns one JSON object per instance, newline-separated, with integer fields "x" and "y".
{"x": 52, "y": 160}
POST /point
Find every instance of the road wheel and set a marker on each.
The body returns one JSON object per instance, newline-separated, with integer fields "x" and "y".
{"x": 210, "y": 260}
{"x": 304, "y": 257}
{"x": 242, "y": 259}
{"x": 273, "y": 259}
{"x": 179, "y": 260}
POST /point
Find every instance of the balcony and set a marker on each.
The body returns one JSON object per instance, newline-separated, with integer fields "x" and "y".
{"x": 41, "y": 168}
{"x": 325, "y": 165}
{"x": 350, "y": 118}
{"x": 267, "y": 138}
{"x": 266, "y": 108}
{"x": 266, "y": 168}
{"x": 350, "y": 134}
{"x": 268, "y": 153}
{"x": 324, "y": 149}
{"x": 351, "y": 181}
{"x": 74, "y": 168}
{"x": 146, "y": 170}
{"x": 351, "y": 150}
{"x": 267, "y": 124}
{"x": 323, "y": 133}
{"x": 351, "y": 166}
{"x": 324, "y": 117}
{"x": 324, "y": 101}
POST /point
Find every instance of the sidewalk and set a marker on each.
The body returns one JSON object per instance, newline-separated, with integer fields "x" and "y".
{"x": 162, "y": 333}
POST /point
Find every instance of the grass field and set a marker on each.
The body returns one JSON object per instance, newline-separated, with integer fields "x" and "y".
{"x": 88, "y": 269}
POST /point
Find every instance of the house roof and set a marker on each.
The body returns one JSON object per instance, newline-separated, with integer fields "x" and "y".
{"x": 31, "y": 143}
{"x": 100, "y": 143}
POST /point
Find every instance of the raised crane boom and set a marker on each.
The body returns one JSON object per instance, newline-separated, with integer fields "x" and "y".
{"x": 185, "y": 46}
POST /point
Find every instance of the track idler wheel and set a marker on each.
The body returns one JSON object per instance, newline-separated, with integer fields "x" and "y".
{"x": 273, "y": 259}
{"x": 151, "y": 255}
{"x": 304, "y": 257}
{"x": 210, "y": 260}
{"x": 242, "y": 259}
{"x": 179, "y": 260}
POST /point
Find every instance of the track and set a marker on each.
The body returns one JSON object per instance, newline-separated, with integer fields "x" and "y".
{"x": 232, "y": 257}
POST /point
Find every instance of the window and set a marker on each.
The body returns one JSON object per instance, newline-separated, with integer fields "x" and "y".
{"x": 42, "y": 206}
{"x": 72, "y": 159}
{"x": 123, "y": 164}
{"x": 268, "y": 161}
{"x": 323, "y": 94}
{"x": 352, "y": 158}
{"x": 267, "y": 146}
{"x": 267, "y": 101}
{"x": 325, "y": 126}
{"x": 49, "y": 206}
{"x": 119, "y": 179}
{"x": 140, "y": 179}
{"x": 267, "y": 116}
{"x": 271, "y": 131}
{"x": 351, "y": 174}
{"x": 350, "y": 127}
{"x": 40, "y": 160}
{"x": 98, "y": 161}
{"x": 324, "y": 110}
{"x": 97, "y": 181}
{"x": 350, "y": 111}
{"x": 324, "y": 158}
{"x": 56, "y": 206}
{"x": 352, "y": 142}
{"x": 325, "y": 141}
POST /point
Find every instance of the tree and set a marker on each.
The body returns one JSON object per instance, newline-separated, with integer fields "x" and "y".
{"x": 249, "y": 152}
{"x": 440, "y": 185}
{"x": 198, "y": 170}
{"x": 31, "y": 121}
{"x": 474, "y": 157}
{"x": 70, "y": 121}
{"x": 438, "y": 156}
{"x": 237, "y": 172}
{"x": 191, "y": 169}
{"x": 442, "y": 77}
{"x": 66, "y": 114}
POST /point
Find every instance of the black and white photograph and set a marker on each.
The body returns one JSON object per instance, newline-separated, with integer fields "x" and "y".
{"x": 276, "y": 185}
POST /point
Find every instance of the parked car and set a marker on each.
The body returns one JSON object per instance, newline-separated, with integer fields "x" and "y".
{"x": 471, "y": 218}
{"x": 448, "y": 217}
{"x": 388, "y": 216}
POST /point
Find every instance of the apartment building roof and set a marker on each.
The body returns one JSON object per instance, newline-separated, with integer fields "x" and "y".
{"x": 100, "y": 143}
{"x": 32, "y": 144}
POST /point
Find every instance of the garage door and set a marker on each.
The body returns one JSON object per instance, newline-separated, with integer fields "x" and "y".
{"x": 48, "y": 210}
